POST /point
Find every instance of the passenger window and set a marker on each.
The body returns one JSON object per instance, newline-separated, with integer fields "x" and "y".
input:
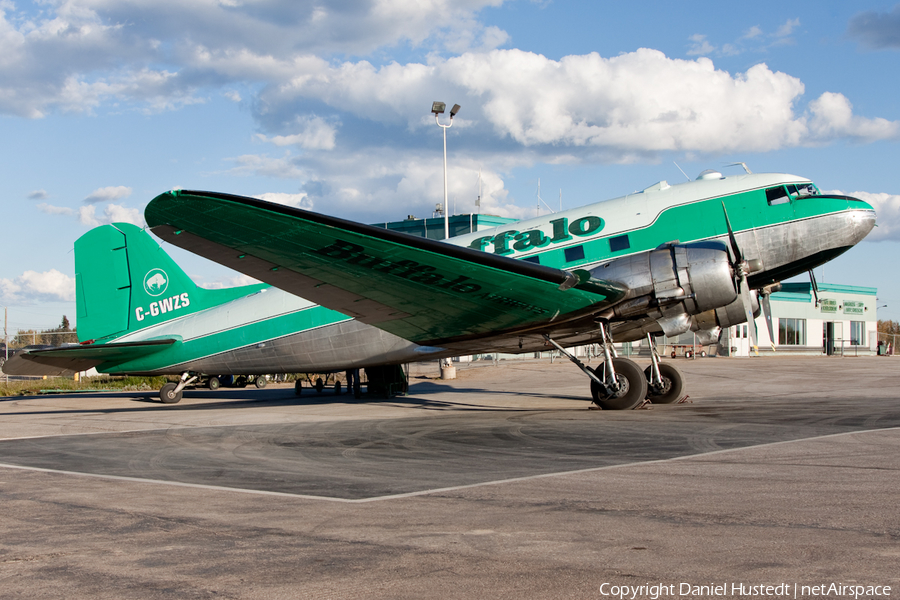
{"x": 574, "y": 253}
{"x": 533, "y": 259}
{"x": 777, "y": 195}
{"x": 619, "y": 243}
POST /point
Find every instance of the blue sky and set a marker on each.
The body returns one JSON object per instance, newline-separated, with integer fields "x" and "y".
{"x": 104, "y": 104}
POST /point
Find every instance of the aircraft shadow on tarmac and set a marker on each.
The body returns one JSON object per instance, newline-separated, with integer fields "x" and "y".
{"x": 254, "y": 398}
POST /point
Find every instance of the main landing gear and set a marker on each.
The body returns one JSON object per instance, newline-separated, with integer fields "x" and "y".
{"x": 665, "y": 383}
{"x": 620, "y": 384}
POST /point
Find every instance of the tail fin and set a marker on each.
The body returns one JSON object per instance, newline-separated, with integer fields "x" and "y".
{"x": 124, "y": 282}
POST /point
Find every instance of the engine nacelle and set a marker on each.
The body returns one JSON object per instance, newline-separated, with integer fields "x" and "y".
{"x": 726, "y": 316}
{"x": 672, "y": 283}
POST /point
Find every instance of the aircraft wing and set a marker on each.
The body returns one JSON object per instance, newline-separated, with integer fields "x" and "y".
{"x": 66, "y": 360}
{"x": 422, "y": 290}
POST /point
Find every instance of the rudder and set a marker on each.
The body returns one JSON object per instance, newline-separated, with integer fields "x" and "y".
{"x": 125, "y": 282}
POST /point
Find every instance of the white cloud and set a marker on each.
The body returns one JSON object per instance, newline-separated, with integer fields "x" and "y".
{"x": 700, "y": 46}
{"x": 31, "y": 286}
{"x": 752, "y": 33}
{"x": 108, "y": 194}
{"x": 55, "y": 210}
{"x": 112, "y": 213}
{"x": 314, "y": 133}
{"x": 638, "y": 102}
{"x": 367, "y": 186}
{"x": 76, "y": 54}
{"x": 87, "y": 215}
{"x": 300, "y": 200}
{"x": 84, "y": 54}
{"x": 262, "y": 165}
{"x": 38, "y": 195}
{"x": 754, "y": 39}
{"x": 833, "y": 118}
{"x": 787, "y": 28}
{"x": 228, "y": 282}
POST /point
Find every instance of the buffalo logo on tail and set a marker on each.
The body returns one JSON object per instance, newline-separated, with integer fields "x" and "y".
{"x": 155, "y": 282}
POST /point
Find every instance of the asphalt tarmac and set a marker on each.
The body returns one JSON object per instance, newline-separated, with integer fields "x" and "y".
{"x": 498, "y": 484}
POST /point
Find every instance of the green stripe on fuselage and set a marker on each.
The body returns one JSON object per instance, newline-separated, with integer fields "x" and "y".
{"x": 230, "y": 339}
{"x": 695, "y": 221}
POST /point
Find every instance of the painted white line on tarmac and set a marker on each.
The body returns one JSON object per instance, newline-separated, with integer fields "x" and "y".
{"x": 433, "y": 490}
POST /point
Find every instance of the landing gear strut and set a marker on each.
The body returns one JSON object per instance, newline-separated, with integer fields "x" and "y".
{"x": 171, "y": 392}
{"x": 665, "y": 383}
{"x": 619, "y": 383}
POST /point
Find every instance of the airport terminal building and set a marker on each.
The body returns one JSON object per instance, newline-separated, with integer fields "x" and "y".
{"x": 843, "y": 322}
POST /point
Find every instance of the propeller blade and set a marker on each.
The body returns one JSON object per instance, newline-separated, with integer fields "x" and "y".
{"x": 748, "y": 310}
{"x": 738, "y": 255}
{"x": 767, "y": 313}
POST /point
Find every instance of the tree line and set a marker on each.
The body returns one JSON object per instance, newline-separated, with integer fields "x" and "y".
{"x": 62, "y": 334}
{"x": 891, "y": 327}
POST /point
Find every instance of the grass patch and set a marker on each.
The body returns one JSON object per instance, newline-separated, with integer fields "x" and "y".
{"x": 127, "y": 384}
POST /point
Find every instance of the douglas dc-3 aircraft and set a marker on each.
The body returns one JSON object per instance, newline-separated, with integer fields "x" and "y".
{"x": 336, "y": 295}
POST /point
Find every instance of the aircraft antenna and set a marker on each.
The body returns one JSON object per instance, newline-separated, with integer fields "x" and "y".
{"x": 746, "y": 168}
{"x": 478, "y": 199}
{"x": 682, "y": 171}
{"x": 541, "y": 200}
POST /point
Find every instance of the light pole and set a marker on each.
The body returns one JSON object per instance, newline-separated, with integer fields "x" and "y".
{"x": 438, "y": 109}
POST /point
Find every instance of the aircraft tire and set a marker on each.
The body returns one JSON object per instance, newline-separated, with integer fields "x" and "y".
{"x": 214, "y": 383}
{"x": 673, "y": 381}
{"x": 320, "y": 385}
{"x": 260, "y": 381}
{"x": 298, "y": 387}
{"x": 167, "y": 394}
{"x": 633, "y": 386}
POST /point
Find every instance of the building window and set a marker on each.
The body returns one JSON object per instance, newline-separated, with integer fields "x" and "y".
{"x": 619, "y": 243}
{"x": 792, "y": 332}
{"x": 533, "y": 259}
{"x": 857, "y": 333}
{"x": 574, "y": 253}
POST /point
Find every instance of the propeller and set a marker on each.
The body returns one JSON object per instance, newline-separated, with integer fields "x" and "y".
{"x": 742, "y": 269}
{"x": 763, "y": 297}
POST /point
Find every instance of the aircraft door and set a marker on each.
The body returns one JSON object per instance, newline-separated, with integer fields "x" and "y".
{"x": 740, "y": 339}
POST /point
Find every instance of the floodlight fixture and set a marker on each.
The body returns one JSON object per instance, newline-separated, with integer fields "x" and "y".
{"x": 438, "y": 109}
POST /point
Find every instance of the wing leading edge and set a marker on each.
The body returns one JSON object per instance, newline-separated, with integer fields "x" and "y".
{"x": 426, "y": 291}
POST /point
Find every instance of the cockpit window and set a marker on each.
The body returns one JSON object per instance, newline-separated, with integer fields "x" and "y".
{"x": 777, "y": 195}
{"x": 807, "y": 190}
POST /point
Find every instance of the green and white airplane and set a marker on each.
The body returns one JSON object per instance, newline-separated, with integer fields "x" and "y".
{"x": 336, "y": 295}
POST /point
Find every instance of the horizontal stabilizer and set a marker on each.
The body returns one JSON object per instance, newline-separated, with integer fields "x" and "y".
{"x": 66, "y": 360}
{"x": 425, "y": 291}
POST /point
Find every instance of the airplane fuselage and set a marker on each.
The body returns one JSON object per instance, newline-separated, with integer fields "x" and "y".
{"x": 273, "y": 331}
